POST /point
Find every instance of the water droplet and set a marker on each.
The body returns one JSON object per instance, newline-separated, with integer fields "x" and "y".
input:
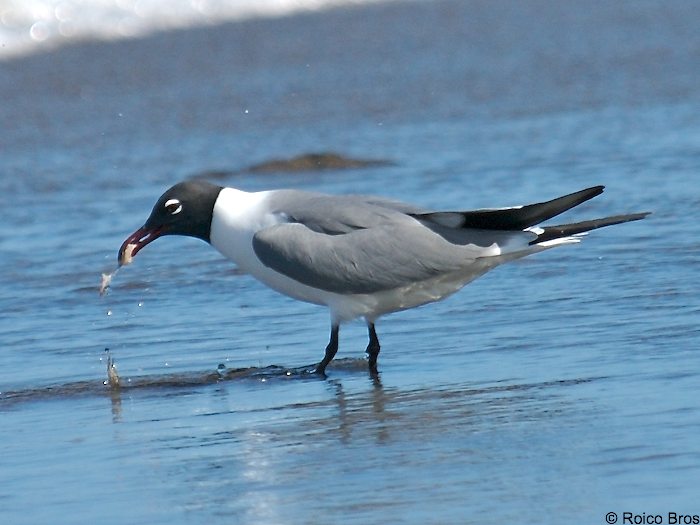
{"x": 39, "y": 31}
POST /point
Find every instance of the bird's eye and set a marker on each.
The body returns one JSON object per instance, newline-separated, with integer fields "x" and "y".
{"x": 173, "y": 206}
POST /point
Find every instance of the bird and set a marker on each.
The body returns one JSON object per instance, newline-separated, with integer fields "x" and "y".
{"x": 360, "y": 256}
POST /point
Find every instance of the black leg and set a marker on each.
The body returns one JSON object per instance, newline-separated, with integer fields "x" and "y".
{"x": 372, "y": 348}
{"x": 331, "y": 350}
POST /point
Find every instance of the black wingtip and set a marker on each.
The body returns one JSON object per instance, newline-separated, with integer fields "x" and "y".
{"x": 523, "y": 217}
{"x": 567, "y": 230}
{"x": 578, "y": 197}
{"x": 512, "y": 219}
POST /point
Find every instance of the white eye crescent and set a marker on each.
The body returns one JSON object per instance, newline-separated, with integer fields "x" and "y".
{"x": 173, "y": 206}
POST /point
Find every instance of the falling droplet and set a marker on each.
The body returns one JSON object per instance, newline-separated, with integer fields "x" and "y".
{"x": 106, "y": 280}
{"x": 112, "y": 374}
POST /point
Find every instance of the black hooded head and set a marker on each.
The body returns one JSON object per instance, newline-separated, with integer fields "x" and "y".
{"x": 185, "y": 209}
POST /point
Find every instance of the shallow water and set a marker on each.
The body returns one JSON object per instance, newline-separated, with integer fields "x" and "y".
{"x": 560, "y": 387}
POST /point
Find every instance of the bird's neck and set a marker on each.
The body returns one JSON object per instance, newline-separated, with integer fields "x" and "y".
{"x": 237, "y": 216}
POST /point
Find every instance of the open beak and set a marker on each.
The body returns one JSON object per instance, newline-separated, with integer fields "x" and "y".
{"x": 137, "y": 240}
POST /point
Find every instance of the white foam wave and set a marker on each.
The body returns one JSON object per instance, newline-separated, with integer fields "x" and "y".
{"x": 28, "y": 26}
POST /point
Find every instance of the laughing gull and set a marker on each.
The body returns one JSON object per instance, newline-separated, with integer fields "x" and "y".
{"x": 360, "y": 256}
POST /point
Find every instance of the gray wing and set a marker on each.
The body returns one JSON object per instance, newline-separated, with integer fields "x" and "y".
{"x": 356, "y": 244}
{"x": 362, "y": 261}
{"x": 342, "y": 214}
{"x": 335, "y": 215}
{"x": 367, "y": 260}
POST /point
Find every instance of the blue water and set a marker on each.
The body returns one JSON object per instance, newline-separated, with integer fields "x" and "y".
{"x": 557, "y": 388}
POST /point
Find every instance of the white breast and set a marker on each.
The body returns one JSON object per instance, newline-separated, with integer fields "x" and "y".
{"x": 238, "y": 215}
